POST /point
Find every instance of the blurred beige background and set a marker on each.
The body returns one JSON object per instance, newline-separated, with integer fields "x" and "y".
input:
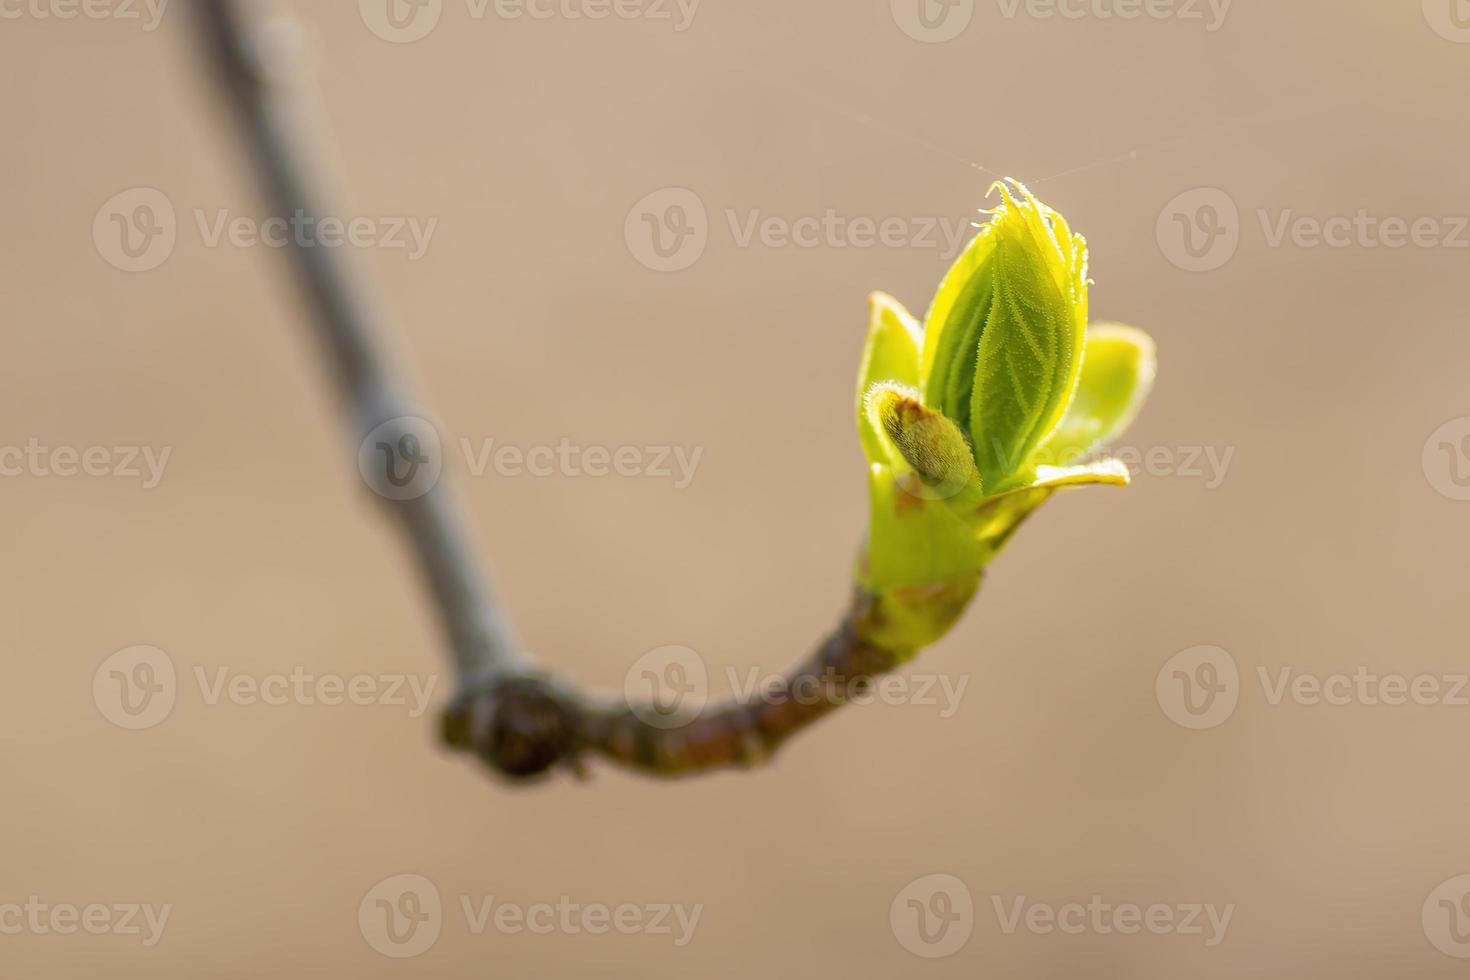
{"x": 1327, "y": 546}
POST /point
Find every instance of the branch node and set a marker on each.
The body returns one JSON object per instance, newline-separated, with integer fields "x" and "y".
{"x": 519, "y": 726}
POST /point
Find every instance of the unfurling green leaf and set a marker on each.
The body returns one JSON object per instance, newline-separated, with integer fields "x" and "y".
{"x": 891, "y": 354}
{"x": 954, "y": 326}
{"x": 1117, "y": 373}
{"x": 1003, "y": 340}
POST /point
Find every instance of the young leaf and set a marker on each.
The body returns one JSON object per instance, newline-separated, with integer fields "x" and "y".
{"x": 997, "y": 518}
{"x": 953, "y": 328}
{"x": 891, "y": 354}
{"x": 1118, "y": 369}
{"x": 1031, "y": 346}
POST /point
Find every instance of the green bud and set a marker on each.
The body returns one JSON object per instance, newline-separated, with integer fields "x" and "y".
{"x": 928, "y": 444}
{"x": 973, "y": 421}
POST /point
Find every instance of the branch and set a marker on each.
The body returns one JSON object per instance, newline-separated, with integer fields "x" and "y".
{"x": 519, "y": 721}
{"x": 530, "y": 721}
{"x": 276, "y": 124}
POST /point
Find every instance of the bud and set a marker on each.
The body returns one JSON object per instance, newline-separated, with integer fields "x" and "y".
{"x": 1004, "y": 336}
{"x": 965, "y": 419}
{"x": 929, "y": 444}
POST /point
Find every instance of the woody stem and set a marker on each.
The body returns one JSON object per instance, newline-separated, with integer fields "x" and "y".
{"x": 519, "y": 721}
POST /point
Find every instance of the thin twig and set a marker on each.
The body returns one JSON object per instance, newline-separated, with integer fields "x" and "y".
{"x": 519, "y": 721}
{"x": 348, "y": 321}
